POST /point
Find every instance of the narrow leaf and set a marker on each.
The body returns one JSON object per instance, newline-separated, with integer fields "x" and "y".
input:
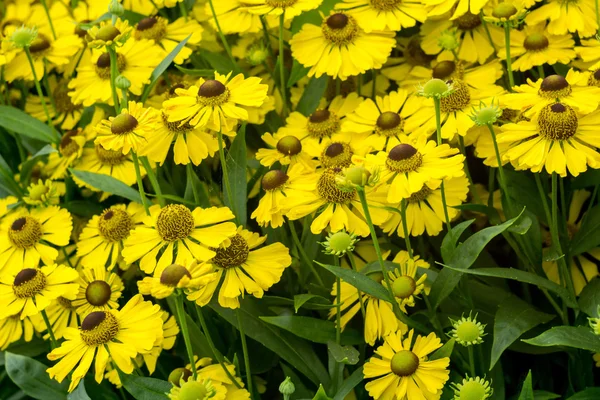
{"x": 79, "y": 393}
{"x": 343, "y": 354}
{"x": 236, "y": 165}
{"x": 197, "y": 72}
{"x": 589, "y": 298}
{"x": 313, "y": 329}
{"x": 588, "y": 235}
{"x": 107, "y": 184}
{"x": 18, "y": 121}
{"x": 302, "y": 299}
{"x": 444, "y": 351}
{"x": 359, "y": 281}
{"x": 580, "y": 337}
{"x": 142, "y": 388}
{"x": 451, "y": 239}
{"x": 298, "y": 72}
{"x": 31, "y": 377}
{"x": 33, "y": 160}
{"x": 527, "y": 390}
{"x": 349, "y": 384}
{"x": 592, "y": 393}
{"x": 312, "y": 95}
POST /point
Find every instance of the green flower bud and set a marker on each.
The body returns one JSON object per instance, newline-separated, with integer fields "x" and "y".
{"x": 486, "y": 115}
{"x": 122, "y": 82}
{"x": 116, "y": 8}
{"x": 287, "y": 387}
{"x": 24, "y": 36}
{"x": 435, "y": 88}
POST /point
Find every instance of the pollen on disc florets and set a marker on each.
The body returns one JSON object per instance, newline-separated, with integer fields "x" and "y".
{"x": 172, "y": 275}
{"x": 123, "y": 123}
{"x": 154, "y": 28}
{"x": 467, "y": 331}
{"x": 404, "y": 158}
{"x": 274, "y": 179}
{"x": 554, "y": 87}
{"x": 67, "y": 145}
{"x": 176, "y": 126}
{"x": 536, "y": 42}
{"x": 389, "y": 124}
{"x": 594, "y": 79}
{"x": 336, "y": 155}
{"x": 109, "y": 157}
{"x": 212, "y": 93}
{"x": 404, "y": 363}
{"x": 421, "y": 195}
{"x": 459, "y": 99}
{"x": 340, "y": 28}
{"x": 467, "y": 22}
{"x": 103, "y": 65}
{"x": 233, "y": 255}
{"x": 62, "y": 100}
{"x": 175, "y": 222}
{"x": 98, "y": 293}
{"x": 114, "y": 224}
{"x": 98, "y": 328}
{"x": 24, "y": 232}
{"x": 385, "y": 5}
{"x": 323, "y": 123}
{"x": 329, "y": 190}
{"x": 29, "y": 282}
{"x": 557, "y": 121}
{"x": 281, "y": 3}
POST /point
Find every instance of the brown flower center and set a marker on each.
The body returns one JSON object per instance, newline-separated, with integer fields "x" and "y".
{"x": 337, "y": 155}
{"x": 28, "y": 283}
{"x": 67, "y": 145}
{"x": 173, "y": 274}
{"x": 404, "y": 158}
{"x": 109, "y": 157}
{"x": 323, "y": 123}
{"x": 340, "y": 29}
{"x": 468, "y": 22}
{"x": 25, "y": 232}
{"x": 103, "y": 65}
{"x": 329, "y": 190}
{"x": 557, "y": 122}
{"x": 98, "y": 293}
{"x": 458, "y": 100}
{"x": 233, "y": 255}
{"x": 274, "y": 179}
{"x": 98, "y": 328}
{"x": 114, "y": 224}
{"x": 175, "y": 222}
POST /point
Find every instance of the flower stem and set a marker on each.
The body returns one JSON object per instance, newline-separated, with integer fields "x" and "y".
{"x": 471, "y": 360}
{"x": 282, "y": 67}
{"x": 226, "y": 183}
{"x": 374, "y": 80}
{"x": 562, "y": 262}
{"x": 189, "y": 169}
{"x": 38, "y": 88}
{"x": 185, "y": 332}
{"x": 114, "y": 72}
{"x": 540, "y": 69}
{"x": 153, "y": 180}
{"x": 47, "y": 11}
{"x": 338, "y": 313}
{"x": 511, "y": 79}
{"x": 221, "y": 35}
{"x": 438, "y": 128}
{"x": 245, "y": 350}
{"x": 474, "y": 194}
{"x": 183, "y": 9}
{"x": 303, "y": 254}
{"x": 50, "y": 331}
{"x": 212, "y": 346}
{"x": 403, "y": 206}
{"x": 138, "y": 175}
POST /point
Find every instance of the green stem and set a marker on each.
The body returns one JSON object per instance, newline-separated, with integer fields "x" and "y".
{"x": 511, "y": 79}
{"x": 47, "y": 86}
{"x": 374, "y": 80}
{"x": 438, "y": 129}
{"x": 501, "y": 176}
{"x": 38, "y": 88}
{"x": 183, "y": 9}
{"x": 471, "y": 360}
{"x": 303, "y": 254}
{"x": 212, "y": 346}
{"x": 47, "y": 11}
{"x": 360, "y": 298}
{"x": 562, "y": 261}
{"x": 227, "y": 184}
{"x": 474, "y": 194}
{"x": 338, "y": 313}
{"x": 114, "y": 72}
{"x": 124, "y": 99}
{"x": 282, "y": 67}
{"x": 50, "y": 331}
{"x": 221, "y": 35}
{"x": 185, "y": 332}
{"x": 540, "y": 69}
{"x": 153, "y": 180}
{"x": 189, "y": 169}
{"x": 138, "y": 175}
{"x": 245, "y": 350}
{"x": 403, "y": 205}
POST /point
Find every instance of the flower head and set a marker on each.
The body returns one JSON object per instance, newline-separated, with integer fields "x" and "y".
{"x": 486, "y": 114}
{"x": 108, "y": 34}
{"x": 467, "y": 331}
{"x": 43, "y": 192}
{"x": 339, "y": 243}
{"x": 435, "y": 88}
{"x": 24, "y": 36}
{"x": 472, "y": 389}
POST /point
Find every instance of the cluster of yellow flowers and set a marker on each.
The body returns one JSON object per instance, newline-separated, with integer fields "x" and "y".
{"x": 360, "y": 117}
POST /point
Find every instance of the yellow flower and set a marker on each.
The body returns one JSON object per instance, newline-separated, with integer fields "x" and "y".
{"x": 572, "y": 16}
{"x": 27, "y": 236}
{"x": 31, "y": 290}
{"x": 556, "y": 139}
{"x": 405, "y": 284}
{"x": 67, "y": 114}
{"x": 6, "y": 205}
{"x": 403, "y": 370}
{"x": 286, "y": 149}
{"x": 244, "y": 268}
{"x": 340, "y": 48}
{"x": 170, "y": 332}
{"x": 13, "y": 329}
{"x": 42, "y": 193}
{"x": 175, "y": 276}
{"x": 108, "y": 34}
{"x": 118, "y": 336}
{"x": 99, "y": 290}
{"x": 61, "y": 315}
{"x": 175, "y": 229}
{"x": 216, "y": 103}
{"x": 197, "y": 388}
{"x": 587, "y": 54}
{"x": 235, "y": 17}
{"x": 289, "y": 8}
{"x": 381, "y": 15}
{"x": 457, "y": 8}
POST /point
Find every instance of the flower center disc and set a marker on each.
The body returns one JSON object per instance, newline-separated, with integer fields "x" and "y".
{"x": 39, "y": 45}
{"x": 385, "y": 5}
{"x": 281, "y": 3}
{"x": 193, "y": 390}
{"x": 458, "y": 99}
{"x": 448, "y": 70}
{"x": 404, "y": 158}
{"x": 212, "y": 93}
{"x": 329, "y": 191}
{"x": 107, "y": 33}
{"x": 323, "y": 123}
{"x": 404, "y": 363}
{"x": 557, "y": 121}
{"x": 472, "y": 390}
{"x": 404, "y": 287}
{"x": 98, "y": 293}
{"x": 123, "y": 123}
{"x": 173, "y": 274}
{"x": 340, "y": 29}
{"x": 99, "y": 327}
{"x": 175, "y": 222}
{"x": 103, "y": 65}
{"x": 233, "y": 255}
{"x": 468, "y": 22}
{"x": 536, "y": 42}
{"x": 28, "y": 283}
{"x": 594, "y": 79}
{"x": 25, "y": 232}
{"x": 289, "y": 145}
{"x": 419, "y": 196}
{"x": 468, "y": 331}
{"x": 109, "y": 157}
{"x": 115, "y": 225}
{"x": 67, "y": 145}
{"x": 274, "y": 179}
{"x": 336, "y": 155}
{"x": 38, "y": 191}
{"x": 554, "y": 87}
{"x": 153, "y": 28}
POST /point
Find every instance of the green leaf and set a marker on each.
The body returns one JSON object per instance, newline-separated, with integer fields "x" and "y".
{"x": 18, "y": 121}
{"x": 162, "y": 67}
{"x": 343, "y": 354}
{"x": 107, "y": 184}
{"x": 589, "y": 298}
{"x": 588, "y": 235}
{"x": 312, "y": 95}
{"x": 192, "y": 184}
{"x": 463, "y": 258}
{"x": 359, "y": 281}
{"x": 28, "y": 165}
{"x": 527, "y": 390}
{"x": 7, "y": 179}
{"x": 79, "y": 393}
{"x": 580, "y": 337}
{"x": 349, "y": 384}
{"x": 301, "y": 299}
{"x": 592, "y": 393}
{"x": 374, "y": 267}
{"x": 513, "y": 318}
{"x": 319, "y": 303}
{"x": 543, "y": 395}
{"x": 31, "y": 377}
{"x": 236, "y": 165}
{"x": 83, "y": 208}
{"x": 522, "y": 226}
{"x": 220, "y": 62}
{"x": 298, "y": 72}
{"x": 451, "y": 239}
{"x": 444, "y": 351}
{"x": 321, "y": 394}
{"x": 142, "y": 388}
{"x": 313, "y": 329}
{"x": 521, "y": 276}
{"x": 206, "y": 73}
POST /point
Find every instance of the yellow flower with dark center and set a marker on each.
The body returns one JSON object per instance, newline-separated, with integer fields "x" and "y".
{"x": 425, "y": 210}
{"x": 244, "y": 268}
{"x": 403, "y": 370}
{"x": 61, "y": 315}
{"x": 286, "y": 149}
{"x": 108, "y": 34}
{"x": 566, "y": 17}
{"x": 99, "y": 290}
{"x": 27, "y": 236}
{"x": 405, "y": 283}
{"x": 407, "y": 58}
{"x": 169, "y": 35}
{"x": 42, "y": 193}
{"x": 165, "y": 281}
{"x": 289, "y": 8}
{"x": 557, "y": 139}
{"x": 31, "y": 290}
{"x": 340, "y": 48}
{"x": 216, "y": 103}
{"x": 13, "y": 329}
{"x": 381, "y": 15}
{"x": 116, "y": 336}
{"x": 175, "y": 229}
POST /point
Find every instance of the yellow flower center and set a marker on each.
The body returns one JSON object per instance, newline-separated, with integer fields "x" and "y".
{"x": 281, "y": 3}
{"x": 123, "y": 123}
{"x": 404, "y": 158}
{"x": 173, "y": 274}
{"x": 389, "y": 124}
{"x": 385, "y": 5}
{"x": 212, "y": 93}
{"x": 154, "y": 28}
{"x": 554, "y": 87}
{"x": 28, "y": 283}
{"x": 194, "y": 390}
{"x": 323, "y": 123}
{"x": 233, "y": 255}
{"x": 114, "y": 225}
{"x": 67, "y": 145}
{"x": 98, "y": 293}
{"x": 467, "y": 22}
{"x": 38, "y": 191}
{"x": 98, "y": 328}
{"x": 404, "y": 287}
{"x": 329, "y": 191}
{"x": 404, "y": 363}
{"x": 62, "y": 100}
{"x": 557, "y": 121}
{"x": 175, "y": 222}
{"x": 536, "y": 42}
{"x": 109, "y": 157}
{"x": 40, "y": 46}
{"x": 421, "y": 195}
{"x": 24, "y": 232}
{"x": 289, "y": 145}
{"x": 458, "y": 100}
{"x": 274, "y": 179}
{"x": 340, "y": 29}
{"x": 103, "y": 65}
{"x": 448, "y": 70}
{"x": 336, "y": 155}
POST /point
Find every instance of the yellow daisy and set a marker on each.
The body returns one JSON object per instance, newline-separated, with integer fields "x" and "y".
{"x": 170, "y": 332}
{"x": 340, "y": 48}
{"x": 175, "y": 229}
{"x": 244, "y": 268}
{"x": 6, "y": 205}
{"x": 31, "y": 290}
{"x": 66, "y": 113}
{"x": 189, "y": 277}
{"x": 197, "y": 388}
{"x": 405, "y": 284}
{"x": 587, "y": 54}
{"x": 26, "y": 236}
{"x": 457, "y": 8}
{"x": 61, "y": 315}
{"x": 235, "y": 17}
{"x": 169, "y": 35}
{"x": 42, "y": 193}
{"x": 566, "y": 17}
{"x": 107, "y": 34}
{"x": 99, "y": 290}
{"x": 381, "y": 15}
{"x": 13, "y": 329}
{"x": 118, "y": 336}
{"x": 407, "y": 56}
{"x": 289, "y": 8}
{"x": 286, "y": 149}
